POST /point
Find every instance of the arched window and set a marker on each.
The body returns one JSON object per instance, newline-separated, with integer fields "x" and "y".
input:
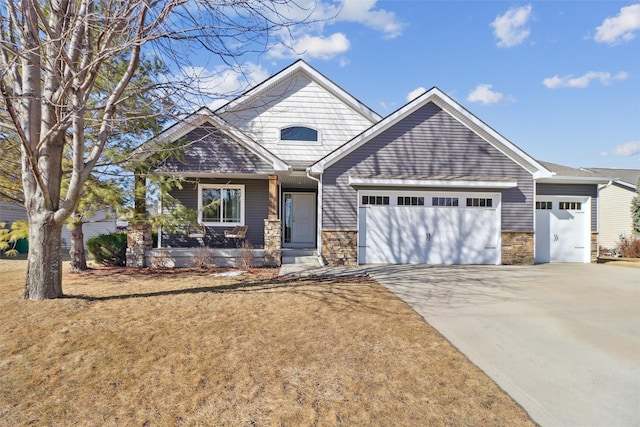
{"x": 298, "y": 133}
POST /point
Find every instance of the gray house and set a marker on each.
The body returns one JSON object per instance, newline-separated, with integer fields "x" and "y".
{"x": 308, "y": 168}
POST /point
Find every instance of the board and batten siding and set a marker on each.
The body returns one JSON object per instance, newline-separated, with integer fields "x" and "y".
{"x": 209, "y": 150}
{"x": 429, "y": 142}
{"x": 256, "y": 201}
{"x": 581, "y": 190}
{"x": 299, "y": 101}
{"x": 614, "y": 202}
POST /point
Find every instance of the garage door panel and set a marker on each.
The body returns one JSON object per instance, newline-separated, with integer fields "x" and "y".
{"x": 429, "y": 234}
{"x": 390, "y": 239}
{"x": 562, "y": 229}
{"x": 467, "y": 236}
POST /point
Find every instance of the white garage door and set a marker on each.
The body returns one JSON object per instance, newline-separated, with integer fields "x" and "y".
{"x": 428, "y": 228}
{"x": 563, "y": 229}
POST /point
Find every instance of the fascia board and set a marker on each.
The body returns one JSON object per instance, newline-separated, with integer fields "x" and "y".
{"x": 401, "y": 182}
{"x": 314, "y": 75}
{"x": 557, "y": 179}
{"x": 449, "y": 104}
{"x": 205, "y": 115}
{"x": 212, "y": 175}
{"x": 248, "y": 143}
{"x": 183, "y": 127}
{"x": 631, "y": 187}
{"x": 443, "y": 101}
{"x": 374, "y": 130}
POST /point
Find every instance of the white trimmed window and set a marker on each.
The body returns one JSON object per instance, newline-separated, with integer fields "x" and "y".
{"x": 299, "y": 134}
{"x": 221, "y": 205}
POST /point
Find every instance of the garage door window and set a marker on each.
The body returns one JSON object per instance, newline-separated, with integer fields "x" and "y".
{"x": 543, "y": 206}
{"x": 444, "y": 201}
{"x": 476, "y": 202}
{"x": 570, "y": 206}
{"x": 375, "y": 200}
{"x": 410, "y": 201}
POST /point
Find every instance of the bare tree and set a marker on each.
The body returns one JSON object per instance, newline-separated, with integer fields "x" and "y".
{"x": 51, "y": 54}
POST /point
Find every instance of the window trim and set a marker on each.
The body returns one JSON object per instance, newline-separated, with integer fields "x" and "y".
{"x": 298, "y": 141}
{"x": 240, "y": 187}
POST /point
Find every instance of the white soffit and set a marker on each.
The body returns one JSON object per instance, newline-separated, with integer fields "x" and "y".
{"x": 432, "y": 182}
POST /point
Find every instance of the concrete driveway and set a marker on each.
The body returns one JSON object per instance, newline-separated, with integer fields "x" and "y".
{"x": 562, "y": 339}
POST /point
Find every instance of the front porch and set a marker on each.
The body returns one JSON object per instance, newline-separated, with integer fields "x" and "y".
{"x": 279, "y": 214}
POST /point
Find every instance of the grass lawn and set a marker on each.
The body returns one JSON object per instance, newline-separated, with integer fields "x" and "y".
{"x": 138, "y": 347}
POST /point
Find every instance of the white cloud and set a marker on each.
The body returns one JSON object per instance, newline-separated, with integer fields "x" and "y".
{"x": 365, "y": 13}
{"x": 215, "y": 87}
{"x": 309, "y": 40}
{"x": 620, "y": 28}
{"x": 511, "y": 28}
{"x": 308, "y": 46}
{"x": 483, "y": 93}
{"x": 415, "y": 93}
{"x": 605, "y": 78}
{"x": 631, "y": 148}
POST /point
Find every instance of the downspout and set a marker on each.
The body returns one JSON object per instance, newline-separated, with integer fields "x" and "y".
{"x": 319, "y": 224}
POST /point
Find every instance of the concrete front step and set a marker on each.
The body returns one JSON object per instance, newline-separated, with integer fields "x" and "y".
{"x": 299, "y": 256}
{"x": 299, "y": 259}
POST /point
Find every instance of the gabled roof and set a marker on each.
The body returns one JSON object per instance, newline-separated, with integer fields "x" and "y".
{"x": 439, "y": 98}
{"x": 300, "y": 66}
{"x": 627, "y": 177}
{"x": 568, "y": 175}
{"x": 205, "y": 115}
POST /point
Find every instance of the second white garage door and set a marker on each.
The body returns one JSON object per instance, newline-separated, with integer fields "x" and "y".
{"x": 428, "y": 228}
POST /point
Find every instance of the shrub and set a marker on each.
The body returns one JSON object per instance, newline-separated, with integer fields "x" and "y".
{"x": 109, "y": 249}
{"x": 629, "y": 247}
{"x": 203, "y": 258}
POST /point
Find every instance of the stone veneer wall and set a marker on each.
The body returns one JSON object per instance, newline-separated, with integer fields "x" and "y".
{"x": 138, "y": 241}
{"x": 517, "y": 247}
{"x": 340, "y": 247}
{"x": 272, "y": 242}
{"x": 594, "y": 246}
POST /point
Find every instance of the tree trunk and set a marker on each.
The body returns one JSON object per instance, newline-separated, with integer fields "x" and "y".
{"x": 44, "y": 268}
{"x": 77, "y": 252}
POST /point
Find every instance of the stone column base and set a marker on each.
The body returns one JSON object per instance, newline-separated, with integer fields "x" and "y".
{"x": 272, "y": 242}
{"x": 340, "y": 247}
{"x": 594, "y": 246}
{"x": 517, "y": 247}
{"x": 138, "y": 241}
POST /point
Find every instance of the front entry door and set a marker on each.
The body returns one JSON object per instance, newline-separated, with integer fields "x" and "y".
{"x": 299, "y": 219}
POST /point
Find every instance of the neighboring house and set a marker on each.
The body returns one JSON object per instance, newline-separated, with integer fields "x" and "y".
{"x": 303, "y": 164}
{"x": 10, "y": 212}
{"x": 615, "y": 204}
{"x": 101, "y": 223}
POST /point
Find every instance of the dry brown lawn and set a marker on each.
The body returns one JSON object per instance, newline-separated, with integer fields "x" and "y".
{"x": 131, "y": 347}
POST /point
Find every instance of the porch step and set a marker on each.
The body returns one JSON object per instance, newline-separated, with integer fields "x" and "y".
{"x": 299, "y": 256}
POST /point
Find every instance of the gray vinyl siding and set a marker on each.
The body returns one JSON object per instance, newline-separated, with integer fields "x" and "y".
{"x": 428, "y": 142}
{"x": 208, "y": 150}
{"x": 256, "y": 210}
{"x": 10, "y": 212}
{"x": 573, "y": 190}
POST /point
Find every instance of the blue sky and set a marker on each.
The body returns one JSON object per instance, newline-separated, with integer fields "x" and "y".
{"x": 560, "y": 79}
